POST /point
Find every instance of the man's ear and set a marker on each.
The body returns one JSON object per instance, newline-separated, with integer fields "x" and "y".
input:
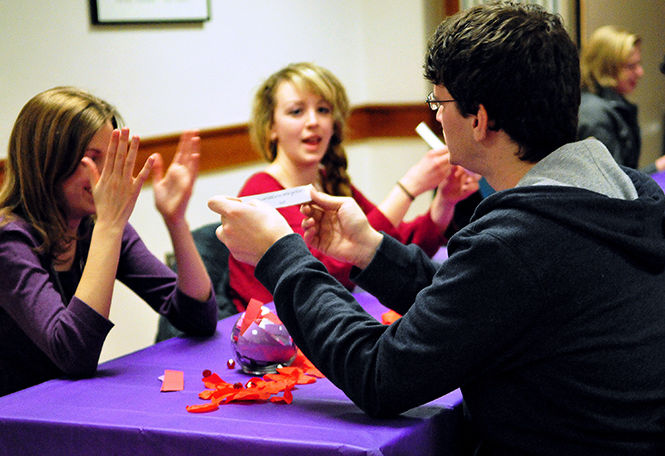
{"x": 480, "y": 124}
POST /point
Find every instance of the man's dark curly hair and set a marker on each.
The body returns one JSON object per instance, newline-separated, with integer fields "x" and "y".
{"x": 518, "y": 61}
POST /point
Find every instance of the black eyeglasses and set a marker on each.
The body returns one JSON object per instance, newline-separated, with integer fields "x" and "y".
{"x": 433, "y": 104}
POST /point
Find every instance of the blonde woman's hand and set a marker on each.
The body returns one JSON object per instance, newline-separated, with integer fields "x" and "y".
{"x": 430, "y": 170}
{"x": 459, "y": 185}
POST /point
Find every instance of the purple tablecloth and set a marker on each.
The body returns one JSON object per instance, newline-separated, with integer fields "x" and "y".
{"x": 121, "y": 411}
{"x": 660, "y": 179}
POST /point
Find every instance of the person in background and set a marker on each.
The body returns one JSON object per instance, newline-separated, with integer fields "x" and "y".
{"x": 67, "y": 195}
{"x": 611, "y": 67}
{"x": 298, "y": 123}
{"x": 662, "y": 70}
{"x": 548, "y": 312}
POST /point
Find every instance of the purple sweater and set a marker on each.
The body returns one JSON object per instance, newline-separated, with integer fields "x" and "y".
{"x": 46, "y": 332}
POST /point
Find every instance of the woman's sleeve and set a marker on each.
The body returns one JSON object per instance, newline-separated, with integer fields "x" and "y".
{"x": 70, "y": 334}
{"x": 421, "y": 231}
{"x": 155, "y": 283}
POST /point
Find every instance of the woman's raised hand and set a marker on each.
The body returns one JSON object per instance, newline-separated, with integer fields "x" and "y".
{"x": 459, "y": 185}
{"x": 174, "y": 189}
{"x": 115, "y": 189}
{"x": 428, "y": 172}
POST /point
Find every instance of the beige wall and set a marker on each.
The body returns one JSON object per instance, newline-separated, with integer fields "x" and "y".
{"x": 168, "y": 77}
{"x": 647, "y": 19}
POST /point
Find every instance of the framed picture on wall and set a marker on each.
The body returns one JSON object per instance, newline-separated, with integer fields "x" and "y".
{"x": 148, "y": 11}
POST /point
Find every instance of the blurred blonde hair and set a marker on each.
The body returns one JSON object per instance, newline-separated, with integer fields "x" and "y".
{"x": 46, "y": 145}
{"x": 602, "y": 57}
{"x": 320, "y": 81}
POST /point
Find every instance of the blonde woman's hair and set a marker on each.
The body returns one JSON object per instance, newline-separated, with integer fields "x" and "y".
{"x": 320, "y": 81}
{"x": 603, "y": 56}
{"x": 47, "y": 143}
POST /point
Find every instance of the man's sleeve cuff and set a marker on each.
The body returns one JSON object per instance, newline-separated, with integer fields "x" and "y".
{"x": 282, "y": 255}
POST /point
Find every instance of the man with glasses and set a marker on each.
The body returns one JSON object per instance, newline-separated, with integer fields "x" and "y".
{"x": 548, "y": 313}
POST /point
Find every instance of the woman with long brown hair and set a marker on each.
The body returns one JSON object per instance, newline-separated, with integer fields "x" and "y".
{"x": 66, "y": 199}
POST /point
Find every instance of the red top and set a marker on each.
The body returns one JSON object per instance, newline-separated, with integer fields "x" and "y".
{"x": 244, "y": 286}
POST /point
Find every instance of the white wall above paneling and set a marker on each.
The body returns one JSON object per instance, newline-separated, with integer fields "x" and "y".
{"x": 168, "y": 77}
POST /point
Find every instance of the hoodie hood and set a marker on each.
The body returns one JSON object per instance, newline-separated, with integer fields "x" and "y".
{"x": 592, "y": 196}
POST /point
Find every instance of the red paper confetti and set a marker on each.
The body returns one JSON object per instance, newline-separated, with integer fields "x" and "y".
{"x": 260, "y": 389}
{"x": 201, "y": 408}
{"x": 212, "y": 380}
{"x": 173, "y": 380}
{"x": 287, "y": 398}
{"x": 306, "y": 365}
{"x": 251, "y": 313}
{"x": 257, "y": 389}
{"x": 390, "y": 317}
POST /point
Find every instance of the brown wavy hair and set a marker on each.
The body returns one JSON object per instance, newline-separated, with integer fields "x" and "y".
{"x": 318, "y": 80}
{"x": 47, "y": 143}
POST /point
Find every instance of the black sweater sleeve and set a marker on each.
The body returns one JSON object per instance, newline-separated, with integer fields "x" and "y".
{"x": 451, "y": 333}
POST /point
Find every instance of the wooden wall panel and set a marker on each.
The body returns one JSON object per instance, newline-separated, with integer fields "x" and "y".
{"x": 221, "y": 148}
{"x": 450, "y": 7}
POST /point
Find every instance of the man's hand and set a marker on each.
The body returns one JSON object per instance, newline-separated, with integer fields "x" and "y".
{"x": 338, "y": 227}
{"x": 248, "y": 228}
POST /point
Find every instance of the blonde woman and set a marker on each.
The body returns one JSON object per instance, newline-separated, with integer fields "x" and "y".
{"x": 611, "y": 67}
{"x": 298, "y": 123}
{"x": 67, "y": 196}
